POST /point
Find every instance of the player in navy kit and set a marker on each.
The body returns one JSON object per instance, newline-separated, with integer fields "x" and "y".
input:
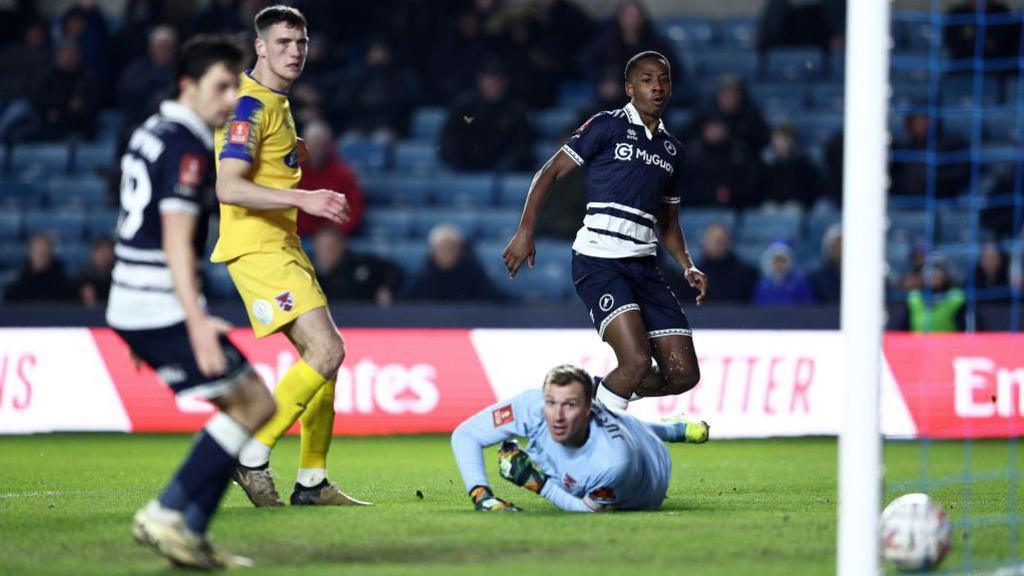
{"x": 155, "y": 303}
{"x": 633, "y": 167}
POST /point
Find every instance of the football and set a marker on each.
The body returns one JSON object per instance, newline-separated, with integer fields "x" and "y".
{"x": 915, "y": 532}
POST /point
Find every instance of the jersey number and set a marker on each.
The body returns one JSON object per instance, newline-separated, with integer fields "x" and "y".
{"x": 136, "y": 192}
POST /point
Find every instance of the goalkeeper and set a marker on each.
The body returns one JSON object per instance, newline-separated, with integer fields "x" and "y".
{"x": 581, "y": 456}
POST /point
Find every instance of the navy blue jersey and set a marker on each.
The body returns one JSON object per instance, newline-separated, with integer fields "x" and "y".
{"x": 167, "y": 167}
{"x": 630, "y": 174}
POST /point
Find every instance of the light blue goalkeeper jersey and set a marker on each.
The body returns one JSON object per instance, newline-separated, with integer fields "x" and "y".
{"x": 624, "y": 464}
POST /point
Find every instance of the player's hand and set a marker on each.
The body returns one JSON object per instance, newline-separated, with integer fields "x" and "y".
{"x": 516, "y": 467}
{"x": 696, "y": 279}
{"x": 520, "y": 249}
{"x": 325, "y": 204}
{"x": 204, "y": 336}
{"x": 485, "y": 501}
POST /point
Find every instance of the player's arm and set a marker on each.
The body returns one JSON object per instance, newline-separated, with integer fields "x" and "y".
{"x": 521, "y": 248}
{"x": 203, "y": 331}
{"x": 235, "y": 187}
{"x": 674, "y": 242}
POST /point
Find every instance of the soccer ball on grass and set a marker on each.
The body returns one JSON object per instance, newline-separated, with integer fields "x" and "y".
{"x": 916, "y": 533}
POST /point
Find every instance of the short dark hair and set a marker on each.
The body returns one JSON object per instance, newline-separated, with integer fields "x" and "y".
{"x": 202, "y": 52}
{"x": 566, "y": 374}
{"x": 643, "y": 56}
{"x": 277, "y": 14}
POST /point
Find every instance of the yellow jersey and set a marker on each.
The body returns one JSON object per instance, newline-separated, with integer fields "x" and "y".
{"x": 260, "y": 131}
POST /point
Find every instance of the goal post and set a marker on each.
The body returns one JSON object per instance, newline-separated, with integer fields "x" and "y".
{"x": 861, "y": 315}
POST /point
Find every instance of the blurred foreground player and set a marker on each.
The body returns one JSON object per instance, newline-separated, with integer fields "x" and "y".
{"x": 582, "y": 456}
{"x": 257, "y": 171}
{"x": 155, "y": 303}
{"x": 633, "y": 198}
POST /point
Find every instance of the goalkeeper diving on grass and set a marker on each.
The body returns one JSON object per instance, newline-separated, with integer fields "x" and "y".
{"x": 581, "y": 456}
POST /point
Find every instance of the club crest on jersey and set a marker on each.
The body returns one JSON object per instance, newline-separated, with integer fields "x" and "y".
{"x": 503, "y": 415}
{"x": 631, "y": 134}
{"x": 263, "y": 311}
{"x": 623, "y": 151}
{"x": 285, "y": 301}
{"x": 568, "y": 481}
{"x": 670, "y": 148}
{"x": 602, "y": 496}
{"x": 606, "y": 302}
{"x": 238, "y": 133}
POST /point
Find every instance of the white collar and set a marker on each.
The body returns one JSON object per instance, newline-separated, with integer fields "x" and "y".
{"x": 634, "y": 118}
{"x": 187, "y": 118}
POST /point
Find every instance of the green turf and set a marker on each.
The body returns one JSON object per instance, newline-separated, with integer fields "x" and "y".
{"x": 740, "y": 507}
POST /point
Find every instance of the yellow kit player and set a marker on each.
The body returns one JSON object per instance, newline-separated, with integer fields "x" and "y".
{"x": 257, "y": 171}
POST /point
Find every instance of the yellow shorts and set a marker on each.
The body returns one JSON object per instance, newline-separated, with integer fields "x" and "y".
{"x": 277, "y": 287}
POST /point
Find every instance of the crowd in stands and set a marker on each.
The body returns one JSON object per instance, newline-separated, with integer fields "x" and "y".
{"x": 488, "y": 89}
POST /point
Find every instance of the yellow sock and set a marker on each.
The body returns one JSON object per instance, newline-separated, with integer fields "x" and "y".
{"x": 317, "y": 428}
{"x": 293, "y": 394}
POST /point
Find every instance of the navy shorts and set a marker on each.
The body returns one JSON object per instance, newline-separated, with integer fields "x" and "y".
{"x": 612, "y": 286}
{"x": 168, "y": 351}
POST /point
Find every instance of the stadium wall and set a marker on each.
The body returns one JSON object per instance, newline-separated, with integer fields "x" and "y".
{"x": 405, "y": 381}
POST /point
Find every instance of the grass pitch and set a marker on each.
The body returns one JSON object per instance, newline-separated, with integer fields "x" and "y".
{"x": 735, "y": 507}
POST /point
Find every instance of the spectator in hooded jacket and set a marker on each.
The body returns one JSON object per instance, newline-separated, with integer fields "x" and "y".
{"x": 781, "y": 284}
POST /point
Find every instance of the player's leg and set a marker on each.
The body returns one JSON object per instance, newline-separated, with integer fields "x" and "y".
{"x": 676, "y": 371}
{"x": 627, "y": 336}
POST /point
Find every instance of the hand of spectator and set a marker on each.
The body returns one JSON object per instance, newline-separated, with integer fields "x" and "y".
{"x": 696, "y": 279}
{"x": 520, "y": 249}
{"x": 325, "y": 204}
{"x": 384, "y": 297}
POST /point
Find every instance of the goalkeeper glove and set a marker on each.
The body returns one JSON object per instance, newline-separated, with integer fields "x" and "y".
{"x": 516, "y": 467}
{"x": 484, "y": 500}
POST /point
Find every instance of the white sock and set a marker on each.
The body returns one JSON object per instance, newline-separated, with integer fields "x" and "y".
{"x": 254, "y": 454}
{"x": 610, "y": 399}
{"x": 227, "y": 432}
{"x": 310, "y": 477}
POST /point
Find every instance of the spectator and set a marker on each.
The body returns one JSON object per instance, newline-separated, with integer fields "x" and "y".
{"x": 487, "y": 130}
{"x": 94, "y": 281}
{"x": 720, "y": 171}
{"x": 732, "y": 105}
{"x": 1001, "y": 40}
{"x": 42, "y": 277}
{"x": 610, "y": 95}
{"x": 563, "y": 28}
{"x": 451, "y": 272}
{"x": 132, "y": 38}
{"x": 940, "y": 306}
{"x": 323, "y": 169}
{"x": 148, "y": 79}
{"x": 732, "y": 279}
{"x": 781, "y": 283}
{"x": 820, "y": 23}
{"x": 85, "y": 26}
{"x": 67, "y": 101}
{"x": 790, "y": 179}
{"x": 22, "y": 67}
{"x": 462, "y": 51}
{"x": 380, "y": 97}
{"x": 913, "y": 277}
{"x": 221, "y": 16}
{"x": 993, "y": 272}
{"x": 348, "y": 275}
{"x": 911, "y": 178}
{"x": 826, "y": 279}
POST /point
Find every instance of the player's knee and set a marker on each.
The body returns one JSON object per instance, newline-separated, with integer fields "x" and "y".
{"x": 684, "y": 381}
{"x": 326, "y": 356}
{"x": 262, "y": 410}
{"x": 635, "y": 366}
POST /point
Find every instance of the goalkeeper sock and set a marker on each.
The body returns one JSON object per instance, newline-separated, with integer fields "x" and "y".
{"x": 317, "y": 430}
{"x": 292, "y": 394}
{"x": 197, "y": 487}
{"x": 610, "y": 399}
{"x": 311, "y": 477}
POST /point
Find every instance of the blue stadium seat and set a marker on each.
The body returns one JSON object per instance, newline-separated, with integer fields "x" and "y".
{"x": 909, "y": 68}
{"x": 10, "y": 225}
{"x": 399, "y": 190}
{"x": 750, "y": 251}
{"x": 694, "y": 221}
{"x": 512, "y": 189}
{"x": 6, "y": 277}
{"x": 688, "y": 33}
{"x": 387, "y": 224}
{"x": 962, "y": 259}
{"x": 557, "y": 251}
{"x": 818, "y": 223}
{"x": 217, "y": 282}
{"x": 915, "y": 36}
{"x": 46, "y": 157}
{"x": 955, "y": 225}
{"x": 109, "y": 123}
{"x": 767, "y": 226}
{"x": 75, "y": 256}
{"x": 101, "y": 223}
{"x": 427, "y": 122}
{"x": 66, "y": 225}
{"x": 780, "y": 97}
{"x": 957, "y": 123}
{"x": 1002, "y": 126}
{"x": 828, "y": 97}
{"x": 576, "y": 94}
{"x": 909, "y": 93}
{"x": 408, "y": 254}
{"x": 94, "y": 156}
{"x": 416, "y": 157}
{"x": 543, "y": 150}
{"x": 738, "y": 33}
{"x": 12, "y": 254}
{"x": 554, "y": 122}
{"x": 500, "y": 224}
{"x": 678, "y": 119}
{"x": 464, "y": 190}
{"x": 466, "y": 220}
{"x": 817, "y": 128}
{"x": 83, "y": 190}
{"x": 16, "y": 193}
{"x": 364, "y": 155}
{"x": 908, "y": 226}
{"x": 959, "y": 90}
{"x": 712, "y": 64}
{"x": 794, "y": 64}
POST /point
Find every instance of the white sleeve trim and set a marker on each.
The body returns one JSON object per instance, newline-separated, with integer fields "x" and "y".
{"x": 572, "y": 154}
{"x": 178, "y": 205}
{"x": 671, "y": 199}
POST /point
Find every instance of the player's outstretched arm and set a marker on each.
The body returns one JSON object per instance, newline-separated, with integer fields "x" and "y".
{"x": 235, "y": 187}
{"x": 674, "y": 242}
{"x": 521, "y": 248}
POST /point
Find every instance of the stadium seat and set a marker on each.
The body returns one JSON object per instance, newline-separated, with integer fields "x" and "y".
{"x": 554, "y": 122}
{"x": 416, "y": 157}
{"x": 85, "y": 191}
{"x": 109, "y": 123}
{"x": 75, "y": 256}
{"x": 6, "y": 277}
{"x": 10, "y": 225}
{"x": 959, "y": 90}
{"x": 364, "y": 155}
{"x": 738, "y": 33}
{"x": 688, "y": 33}
{"x": 694, "y": 221}
{"x": 957, "y": 123}
{"x": 750, "y": 251}
{"x": 678, "y": 119}
{"x": 512, "y": 189}
{"x": 818, "y": 223}
{"x": 909, "y": 226}
{"x": 12, "y": 254}
{"x": 576, "y": 94}
{"x": 464, "y": 190}
{"x": 828, "y": 97}
{"x": 913, "y": 35}
{"x": 962, "y": 259}
{"x": 101, "y": 222}
{"x": 1002, "y": 126}
{"x": 780, "y": 97}
{"x": 500, "y": 224}
{"x": 793, "y": 64}
{"x": 712, "y": 64}
{"x": 906, "y": 94}
{"x": 399, "y": 190}
{"x": 16, "y": 193}
{"x": 45, "y": 158}
{"x": 93, "y": 156}
{"x": 817, "y": 128}
{"x": 544, "y": 149}
{"x": 427, "y": 122}
{"x": 909, "y": 68}
{"x": 387, "y": 224}
{"x": 955, "y": 225}
{"x": 217, "y": 282}
{"x": 425, "y": 220}
{"x": 66, "y": 225}
{"x": 767, "y": 226}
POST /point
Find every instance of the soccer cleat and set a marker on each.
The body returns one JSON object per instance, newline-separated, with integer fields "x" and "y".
{"x": 323, "y": 494}
{"x": 165, "y": 532}
{"x": 258, "y": 484}
{"x": 223, "y": 558}
{"x": 694, "y": 431}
